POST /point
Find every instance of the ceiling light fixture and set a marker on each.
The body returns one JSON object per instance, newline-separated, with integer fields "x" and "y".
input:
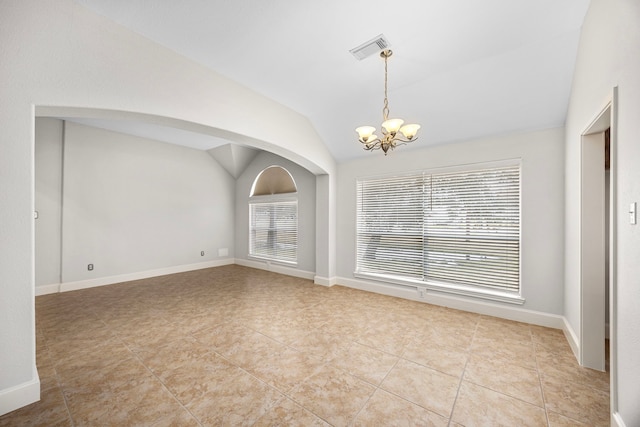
{"x": 393, "y": 133}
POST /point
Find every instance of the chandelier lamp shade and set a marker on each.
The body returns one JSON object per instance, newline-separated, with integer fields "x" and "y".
{"x": 393, "y": 131}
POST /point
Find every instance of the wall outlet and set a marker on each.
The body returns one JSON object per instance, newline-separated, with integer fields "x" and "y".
{"x": 201, "y": 253}
{"x": 422, "y": 292}
{"x": 223, "y": 252}
{"x": 90, "y": 267}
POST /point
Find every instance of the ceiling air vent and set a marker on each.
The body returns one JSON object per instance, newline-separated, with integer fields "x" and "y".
{"x": 370, "y": 47}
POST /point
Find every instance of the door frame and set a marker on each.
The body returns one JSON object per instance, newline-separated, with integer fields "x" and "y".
{"x": 592, "y": 322}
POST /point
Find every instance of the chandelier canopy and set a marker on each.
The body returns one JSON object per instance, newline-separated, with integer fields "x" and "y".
{"x": 393, "y": 131}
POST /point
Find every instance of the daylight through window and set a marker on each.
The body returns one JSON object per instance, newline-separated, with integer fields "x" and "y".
{"x": 455, "y": 230}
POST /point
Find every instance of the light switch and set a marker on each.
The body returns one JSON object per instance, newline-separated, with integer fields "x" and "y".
{"x": 632, "y": 214}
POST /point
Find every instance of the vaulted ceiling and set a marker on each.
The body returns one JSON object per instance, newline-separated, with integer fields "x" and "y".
{"x": 463, "y": 69}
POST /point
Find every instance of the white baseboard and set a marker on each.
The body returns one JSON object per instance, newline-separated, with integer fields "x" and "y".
{"x": 52, "y": 288}
{"x": 475, "y": 306}
{"x": 325, "y": 281}
{"x": 616, "y": 420}
{"x": 572, "y": 338}
{"x": 109, "y": 280}
{"x": 18, "y": 396}
{"x": 275, "y": 268}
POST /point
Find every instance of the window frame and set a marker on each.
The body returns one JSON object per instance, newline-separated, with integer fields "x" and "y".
{"x": 438, "y": 286}
{"x": 272, "y": 200}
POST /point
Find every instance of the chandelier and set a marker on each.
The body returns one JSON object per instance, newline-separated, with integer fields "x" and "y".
{"x": 393, "y": 133}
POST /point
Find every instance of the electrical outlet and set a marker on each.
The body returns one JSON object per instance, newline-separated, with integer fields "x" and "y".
{"x": 90, "y": 267}
{"x": 201, "y": 253}
{"x": 422, "y": 292}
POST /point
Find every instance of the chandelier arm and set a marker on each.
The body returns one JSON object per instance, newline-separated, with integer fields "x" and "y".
{"x": 372, "y": 147}
{"x": 402, "y": 141}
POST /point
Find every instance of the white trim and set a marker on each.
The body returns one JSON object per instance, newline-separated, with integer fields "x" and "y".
{"x": 325, "y": 281}
{"x": 275, "y": 268}
{"x": 109, "y": 280}
{"x": 616, "y": 420}
{"x": 257, "y": 258}
{"x": 572, "y": 338}
{"x": 475, "y": 306}
{"x": 18, "y": 396}
{"x": 52, "y": 288}
{"x": 447, "y": 288}
{"x": 613, "y": 259}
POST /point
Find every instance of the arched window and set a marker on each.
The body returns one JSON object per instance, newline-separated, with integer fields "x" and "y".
{"x": 273, "y": 216}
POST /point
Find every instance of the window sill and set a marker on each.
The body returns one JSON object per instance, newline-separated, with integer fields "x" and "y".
{"x": 273, "y": 261}
{"x": 447, "y": 288}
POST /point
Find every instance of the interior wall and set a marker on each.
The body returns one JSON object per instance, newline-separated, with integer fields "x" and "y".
{"x": 57, "y": 53}
{"x": 541, "y": 206}
{"x": 132, "y": 204}
{"x": 607, "y": 57}
{"x": 306, "y": 183}
{"x": 48, "y": 200}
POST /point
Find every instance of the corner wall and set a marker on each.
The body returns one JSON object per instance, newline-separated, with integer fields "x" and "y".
{"x": 542, "y": 211}
{"x": 133, "y": 205}
{"x": 607, "y": 57}
{"x": 306, "y": 183}
{"x": 56, "y": 53}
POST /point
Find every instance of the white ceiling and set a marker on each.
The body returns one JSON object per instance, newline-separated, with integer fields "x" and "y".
{"x": 463, "y": 69}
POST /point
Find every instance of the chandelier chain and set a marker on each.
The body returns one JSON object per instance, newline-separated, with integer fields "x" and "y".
{"x": 385, "y": 109}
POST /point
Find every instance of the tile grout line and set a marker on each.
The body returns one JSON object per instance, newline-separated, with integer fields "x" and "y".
{"x": 544, "y": 400}
{"x": 164, "y": 386}
{"x": 377, "y": 387}
{"x": 285, "y": 395}
{"x": 64, "y": 397}
{"x": 464, "y": 369}
{"x": 137, "y": 357}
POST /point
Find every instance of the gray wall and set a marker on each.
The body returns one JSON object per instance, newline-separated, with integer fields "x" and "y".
{"x": 607, "y": 57}
{"x": 306, "y": 183}
{"x": 128, "y": 204}
{"x": 542, "y": 211}
{"x": 48, "y": 200}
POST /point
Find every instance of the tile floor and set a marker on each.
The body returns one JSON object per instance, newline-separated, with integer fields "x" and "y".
{"x": 238, "y": 346}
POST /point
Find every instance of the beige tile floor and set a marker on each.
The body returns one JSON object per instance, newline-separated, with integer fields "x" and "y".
{"x": 238, "y": 346}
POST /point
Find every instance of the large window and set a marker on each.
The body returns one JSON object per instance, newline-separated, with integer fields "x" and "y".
{"x": 274, "y": 230}
{"x": 456, "y": 230}
{"x": 273, "y": 216}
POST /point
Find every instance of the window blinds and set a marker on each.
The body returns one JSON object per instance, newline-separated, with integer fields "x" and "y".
{"x": 460, "y": 228}
{"x": 274, "y": 230}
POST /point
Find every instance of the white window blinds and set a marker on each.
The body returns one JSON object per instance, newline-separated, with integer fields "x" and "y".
{"x": 460, "y": 228}
{"x": 390, "y": 226}
{"x": 274, "y": 230}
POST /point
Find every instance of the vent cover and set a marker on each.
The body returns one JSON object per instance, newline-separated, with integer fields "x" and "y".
{"x": 370, "y": 47}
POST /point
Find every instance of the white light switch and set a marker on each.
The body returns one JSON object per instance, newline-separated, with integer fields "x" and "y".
{"x": 632, "y": 213}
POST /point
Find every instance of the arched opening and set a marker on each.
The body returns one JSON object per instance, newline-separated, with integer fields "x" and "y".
{"x": 273, "y": 216}
{"x": 273, "y": 180}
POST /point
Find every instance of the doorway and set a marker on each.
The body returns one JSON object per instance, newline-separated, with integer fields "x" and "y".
{"x": 598, "y": 243}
